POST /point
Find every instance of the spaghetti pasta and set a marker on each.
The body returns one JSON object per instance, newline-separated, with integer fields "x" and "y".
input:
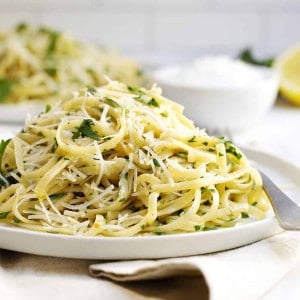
{"x": 122, "y": 161}
{"x": 39, "y": 63}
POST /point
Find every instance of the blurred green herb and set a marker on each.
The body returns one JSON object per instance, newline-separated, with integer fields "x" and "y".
{"x": 6, "y": 86}
{"x": 247, "y": 56}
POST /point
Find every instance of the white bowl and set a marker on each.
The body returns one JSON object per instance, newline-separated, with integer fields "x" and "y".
{"x": 231, "y": 108}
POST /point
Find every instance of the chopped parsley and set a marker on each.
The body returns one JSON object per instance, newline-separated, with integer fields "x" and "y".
{"x": 139, "y": 73}
{"x": 54, "y": 36}
{"x": 3, "y": 215}
{"x": 48, "y": 108}
{"x": 197, "y": 227}
{"x": 244, "y": 215}
{"x": 192, "y": 139}
{"x": 21, "y": 27}
{"x": 51, "y": 71}
{"x": 156, "y": 163}
{"x": 92, "y": 90}
{"x": 57, "y": 196}
{"x": 131, "y": 88}
{"x": 147, "y": 99}
{"x": 231, "y": 149}
{"x": 16, "y": 220}
{"x": 111, "y": 102}
{"x": 142, "y": 97}
{"x": 254, "y": 203}
{"x": 159, "y": 233}
{"x": 3, "y": 145}
{"x": 207, "y": 228}
{"x": 205, "y": 143}
{"x": 6, "y": 86}
{"x": 85, "y": 130}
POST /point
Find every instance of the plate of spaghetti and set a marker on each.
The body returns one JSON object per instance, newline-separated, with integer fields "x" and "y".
{"x": 41, "y": 65}
{"x": 118, "y": 172}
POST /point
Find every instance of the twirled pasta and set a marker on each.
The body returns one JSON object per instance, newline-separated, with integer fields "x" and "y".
{"x": 122, "y": 161}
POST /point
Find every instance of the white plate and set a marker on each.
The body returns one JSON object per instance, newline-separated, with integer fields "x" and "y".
{"x": 23, "y": 240}
{"x": 17, "y": 113}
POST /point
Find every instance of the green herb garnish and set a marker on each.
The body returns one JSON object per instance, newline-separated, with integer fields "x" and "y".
{"x": 57, "y": 196}
{"x": 51, "y": 71}
{"x": 16, "y": 220}
{"x": 3, "y": 145}
{"x": 147, "y": 99}
{"x": 142, "y": 97}
{"x": 247, "y": 56}
{"x": 156, "y": 163}
{"x": 21, "y": 27}
{"x": 159, "y": 233}
{"x": 244, "y": 215}
{"x": 3, "y": 215}
{"x": 92, "y": 90}
{"x": 207, "y": 228}
{"x": 111, "y": 102}
{"x": 48, "y": 108}
{"x": 54, "y": 36}
{"x": 6, "y": 86}
{"x": 85, "y": 130}
{"x": 192, "y": 139}
{"x": 254, "y": 203}
{"x": 197, "y": 227}
{"x": 231, "y": 149}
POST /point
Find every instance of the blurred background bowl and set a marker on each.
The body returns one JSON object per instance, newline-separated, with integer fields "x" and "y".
{"x": 221, "y": 108}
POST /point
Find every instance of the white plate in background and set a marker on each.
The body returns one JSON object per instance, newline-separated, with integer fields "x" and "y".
{"x": 146, "y": 247}
{"x": 17, "y": 113}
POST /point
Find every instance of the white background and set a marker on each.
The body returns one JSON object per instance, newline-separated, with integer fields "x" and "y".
{"x": 164, "y": 31}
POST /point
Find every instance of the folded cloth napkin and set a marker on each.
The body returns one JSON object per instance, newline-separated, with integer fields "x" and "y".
{"x": 263, "y": 270}
{"x": 248, "y": 272}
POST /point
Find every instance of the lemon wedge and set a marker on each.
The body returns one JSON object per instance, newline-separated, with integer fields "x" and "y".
{"x": 288, "y": 65}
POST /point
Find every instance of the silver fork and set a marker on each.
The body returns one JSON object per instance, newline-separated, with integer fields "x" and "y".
{"x": 286, "y": 210}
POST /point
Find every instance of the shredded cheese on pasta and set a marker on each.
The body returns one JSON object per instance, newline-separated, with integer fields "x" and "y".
{"x": 122, "y": 161}
{"x": 46, "y": 65}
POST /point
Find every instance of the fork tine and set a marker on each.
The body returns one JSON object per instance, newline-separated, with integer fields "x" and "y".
{"x": 286, "y": 210}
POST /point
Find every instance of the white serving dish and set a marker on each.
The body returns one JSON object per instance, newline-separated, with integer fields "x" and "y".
{"x": 221, "y": 108}
{"x": 163, "y": 246}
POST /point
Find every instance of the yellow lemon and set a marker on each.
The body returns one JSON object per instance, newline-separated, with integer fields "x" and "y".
{"x": 288, "y": 65}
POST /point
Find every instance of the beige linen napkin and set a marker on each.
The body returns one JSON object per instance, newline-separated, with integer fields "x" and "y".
{"x": 248, "y": 272}
{"x": 262, "y": 270}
